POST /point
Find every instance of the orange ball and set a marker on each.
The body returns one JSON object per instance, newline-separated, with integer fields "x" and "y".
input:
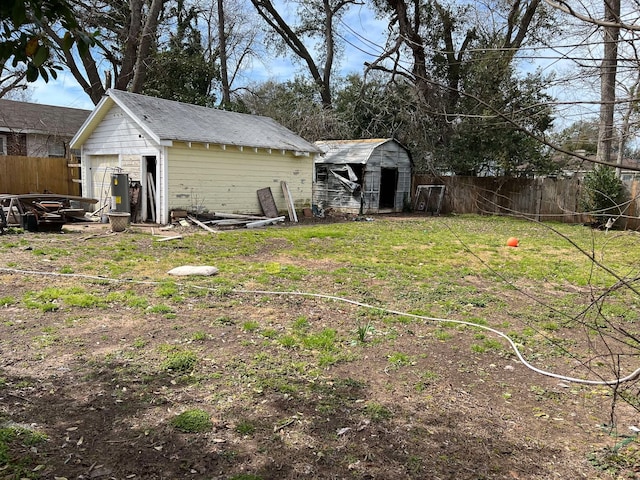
{"x": 512, "y": 242}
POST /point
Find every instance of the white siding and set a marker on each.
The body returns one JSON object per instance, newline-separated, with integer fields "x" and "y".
{"x": 117, "y": 134}
{"x": 227, "y": 180}
{"x": 117, "y": 139}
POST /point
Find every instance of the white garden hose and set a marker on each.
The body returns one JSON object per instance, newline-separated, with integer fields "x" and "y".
{"x": 632, "y": 376}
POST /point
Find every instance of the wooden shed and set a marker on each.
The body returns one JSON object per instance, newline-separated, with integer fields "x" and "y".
{"x": 362, "y": 176}
{"x": 188, "y": 157}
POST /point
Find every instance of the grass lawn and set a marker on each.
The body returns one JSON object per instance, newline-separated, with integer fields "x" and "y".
{"x": 353, "y": 350}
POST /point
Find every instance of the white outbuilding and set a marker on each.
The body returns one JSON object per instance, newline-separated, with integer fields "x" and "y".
{"x": 188, "y": 157}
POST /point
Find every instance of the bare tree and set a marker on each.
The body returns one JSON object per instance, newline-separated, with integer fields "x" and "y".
{"x": 12, "y": 80}
{"x": 317, "y": 20}
{"x": 127, "y": 32}
{"x": 619, "y": 29}
{"x": 231, "y": 33}
{"x": 421, "y": 25}
{"x": 222, "y": 39}
{"x": 608, "y": 72}
{"x": 585, "y": 16}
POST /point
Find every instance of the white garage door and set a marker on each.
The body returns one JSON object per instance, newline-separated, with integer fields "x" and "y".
{"x": 102, "y": 166}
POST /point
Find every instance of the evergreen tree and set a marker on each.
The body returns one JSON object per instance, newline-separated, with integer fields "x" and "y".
{"x": 182, "y": 72}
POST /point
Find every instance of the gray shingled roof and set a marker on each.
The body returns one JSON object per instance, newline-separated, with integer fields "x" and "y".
{"x": 23, "y": 117}
{"x": 170, "y": 120}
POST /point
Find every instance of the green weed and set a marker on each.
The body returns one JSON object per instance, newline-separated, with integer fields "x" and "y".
{"x": 323, "y": 340}
{"x": 169, "y": 290}
{"x": 288, "y": 341}
{"x": 399, "y": 359}
{"x": 245, "y": 427}
{"x": 225, "y": 320}
{"x": 18, "y": 467}
{"x": 6, "y": 301}
{"x": 442, "y": 335}
{"x": 377, "y": 412}
{"x": 164, "y": 309}
{"x": 362, "y": 330}
{"x": 427, "y": 378}
{"x": 182, "y": 361}
{"x": 301, "y": 323}
{"x": 198, "y": 336}
{"x": 250, "y": 326}
{"x": 139, "y": 343}
{"x": 269, "y": 333}
{"x": 193, "y": 421}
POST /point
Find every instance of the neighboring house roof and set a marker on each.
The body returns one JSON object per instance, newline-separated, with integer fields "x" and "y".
{"x": 166, "y": 121}
{"x": 23, "y": 117}
{"x": 349, "y": 151}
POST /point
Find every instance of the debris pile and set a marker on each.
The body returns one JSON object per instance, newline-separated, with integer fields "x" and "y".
{"x": 216, "y": 222}
{"x": 42, "y": 212}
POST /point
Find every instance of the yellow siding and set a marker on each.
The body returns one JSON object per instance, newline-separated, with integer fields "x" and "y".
{"x": 226, "y": 180}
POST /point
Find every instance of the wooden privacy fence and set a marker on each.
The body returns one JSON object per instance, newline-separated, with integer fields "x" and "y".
{"x": 19, "y": 175}
{"x": 542, "y": 199}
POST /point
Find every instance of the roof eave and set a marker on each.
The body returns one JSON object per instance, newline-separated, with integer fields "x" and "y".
{"x": 145, "y": 128}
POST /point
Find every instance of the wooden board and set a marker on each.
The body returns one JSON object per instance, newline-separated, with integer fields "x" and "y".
{"x": 267, "y": 202}
{"x": 151, "y": 191}
{"x": 293, "y": 216}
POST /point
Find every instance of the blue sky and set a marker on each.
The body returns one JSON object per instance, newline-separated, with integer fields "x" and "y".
{"x": 364, "y": 37}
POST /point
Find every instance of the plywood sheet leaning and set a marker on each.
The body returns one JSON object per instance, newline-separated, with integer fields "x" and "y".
{"x": 267, "y": 202}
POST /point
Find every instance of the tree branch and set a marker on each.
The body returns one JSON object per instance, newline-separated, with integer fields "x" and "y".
{"x": 564, "y": 7}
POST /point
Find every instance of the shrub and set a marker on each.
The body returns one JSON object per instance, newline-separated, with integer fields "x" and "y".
{"x": 602, "y": 194}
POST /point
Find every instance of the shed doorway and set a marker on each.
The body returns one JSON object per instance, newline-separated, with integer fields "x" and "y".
{"x": 388, "y": 187}
{"x": 149, "y": 195}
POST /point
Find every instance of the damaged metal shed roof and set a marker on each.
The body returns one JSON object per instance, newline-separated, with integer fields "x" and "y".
{"x": 349, "y": 151}
{"x": 166, "y": 121}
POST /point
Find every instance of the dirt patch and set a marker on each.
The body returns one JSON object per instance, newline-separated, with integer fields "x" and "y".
{"x": 291, "y": 389}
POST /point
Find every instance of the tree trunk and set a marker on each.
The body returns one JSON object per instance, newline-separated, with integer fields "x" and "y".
{"x": 124, "y": 76}
{"x": 608, "y": 71}
{"x": 148, "y": 39}
{"x": 270, "y": 14}
{"x": 226, "y": 94}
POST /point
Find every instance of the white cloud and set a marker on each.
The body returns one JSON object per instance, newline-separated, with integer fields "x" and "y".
{"x": 62, "y": 92}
